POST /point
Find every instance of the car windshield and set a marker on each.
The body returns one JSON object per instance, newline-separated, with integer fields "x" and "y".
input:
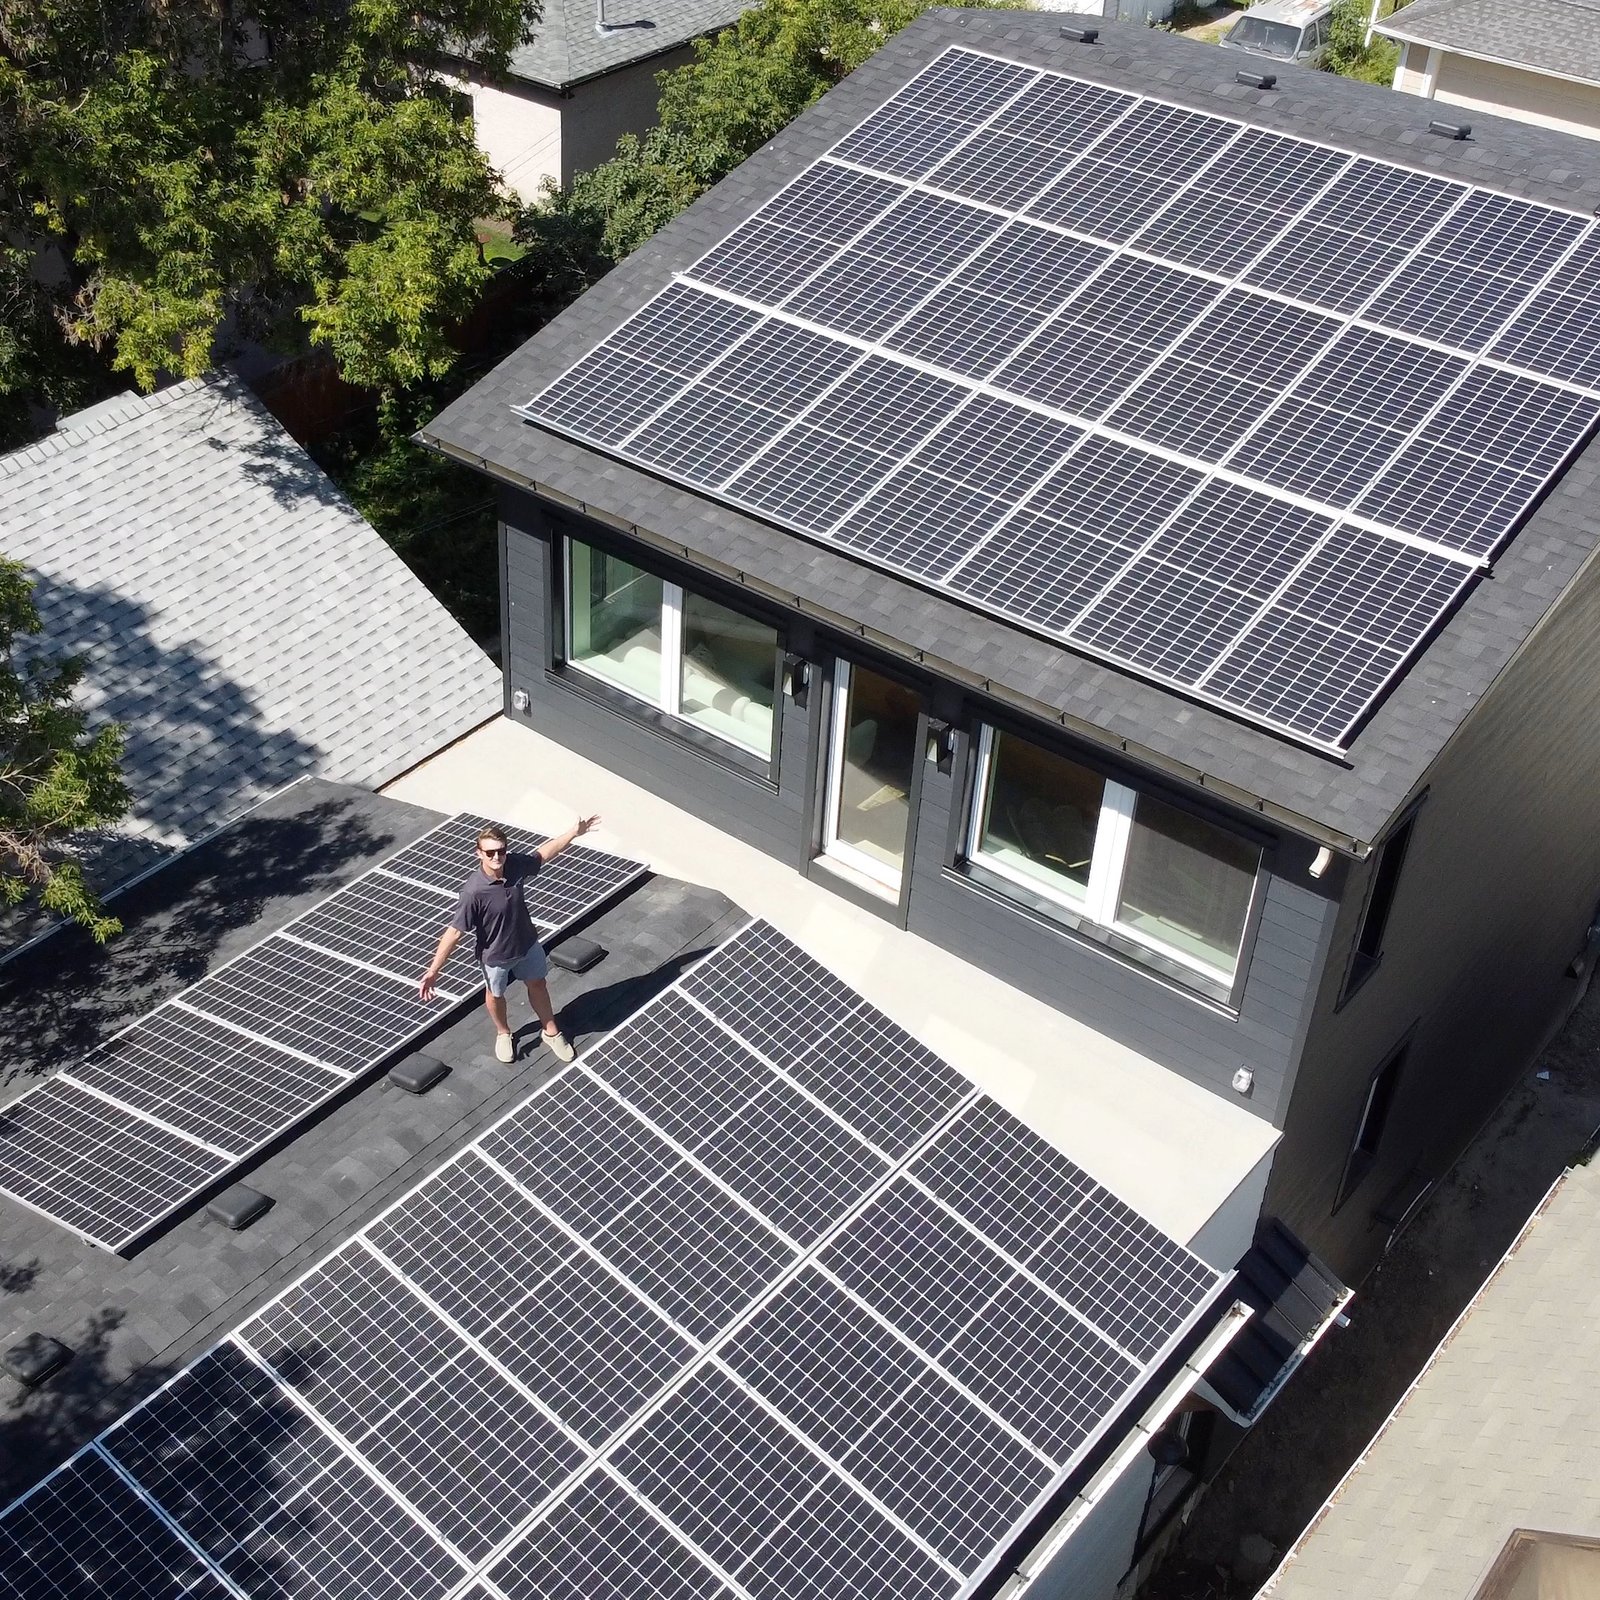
{"x": 1266, "y": 38}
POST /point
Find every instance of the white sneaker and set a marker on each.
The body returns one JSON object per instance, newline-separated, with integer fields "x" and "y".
{"x": 560, "y": 1046}
{"x": 505, "y": 1048}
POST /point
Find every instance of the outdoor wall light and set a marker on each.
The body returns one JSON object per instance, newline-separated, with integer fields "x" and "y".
{"x": 941, "y": 745}
{"x": 797, "y": 679}
{"x": 1244, "y": 1080}
{"x": 520, "y": 700}
{"x": 1322, "y": 861}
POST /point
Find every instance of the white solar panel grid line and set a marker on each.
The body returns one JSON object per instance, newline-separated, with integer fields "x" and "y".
{"x": 66, "y": 1075}
{"x": 451, "y": 996}
{"x": 397, "y": 1409}
{"x": 180, "y": 1004}
{"x": 574, "y": 1573}
{"x": 787, "y": 1078}
{"x": 159, "y": 1512}
{"x": 176, "y": 1062}
{"x": 345, "y": 1449}
{"x": 1310, "y": 202}
{"x": 839, "y": 1469}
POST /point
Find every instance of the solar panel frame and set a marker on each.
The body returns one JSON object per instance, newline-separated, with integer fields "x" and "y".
{"x": 1334, "y": 201}
{"x": 852, "y": 1540}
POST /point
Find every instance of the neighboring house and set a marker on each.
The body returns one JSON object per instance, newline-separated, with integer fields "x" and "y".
{"x": 1352, "y": 932}
{"x": 1483, "y": 1484}
{"x": 1535, "y": 60}
{"x": 236, "y": 615}
{"x": 577, "y": 88}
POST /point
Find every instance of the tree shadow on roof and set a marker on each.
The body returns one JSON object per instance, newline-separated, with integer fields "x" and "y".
{"x": 68, "y": 994}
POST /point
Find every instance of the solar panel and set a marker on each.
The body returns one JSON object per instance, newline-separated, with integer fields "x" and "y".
{"x": 207, "y": 1080}
{"x": 1407, "y": 357}
{"x": 98, "y": 1168}
{"x": 136, "y": 1129}
{"x": 621, "y": 1347}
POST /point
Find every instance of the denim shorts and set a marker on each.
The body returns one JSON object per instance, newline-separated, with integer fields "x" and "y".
{"x": 527, "y": 968}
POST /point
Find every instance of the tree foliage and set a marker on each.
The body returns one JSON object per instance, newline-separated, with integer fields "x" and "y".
{"x": 1348, "y": 52}
{"x": 179, "y": 174}
{"x": 746, "y": 84}
{"x": 55, "y": 777}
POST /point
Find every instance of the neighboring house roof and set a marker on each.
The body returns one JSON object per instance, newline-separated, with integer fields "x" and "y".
{"x": 1346, "y": 800}
{"x": 567, "y": 48}
{"x": 1553, "y": 36}
{"x": 237, "y": 615}
{"x": 1496, "y": 1434}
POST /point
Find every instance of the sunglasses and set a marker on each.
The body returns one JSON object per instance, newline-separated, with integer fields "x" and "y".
{"x": 484, "y": 850}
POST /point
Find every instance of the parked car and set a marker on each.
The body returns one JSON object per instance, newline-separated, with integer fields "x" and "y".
{"x": 1285, "y": 30}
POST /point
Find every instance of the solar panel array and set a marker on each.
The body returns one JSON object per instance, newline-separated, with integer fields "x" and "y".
{"x": 118, "y": 1141}
{"x": 759, "y": 1299}
{"x": 1242, "y": 413}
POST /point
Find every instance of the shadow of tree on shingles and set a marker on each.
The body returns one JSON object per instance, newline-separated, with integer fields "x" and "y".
{"x": 68, "y": 994}
{"x": 275, "y": 461}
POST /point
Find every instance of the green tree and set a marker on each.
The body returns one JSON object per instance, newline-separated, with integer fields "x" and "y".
{"x": 1348, "y": 52}
{"x": 745, "y": 85}
{"x": 55, "y": 776}
{"x": 179, "y": 174}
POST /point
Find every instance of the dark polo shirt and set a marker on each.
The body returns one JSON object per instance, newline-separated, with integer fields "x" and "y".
{"x": 494, "y": 913}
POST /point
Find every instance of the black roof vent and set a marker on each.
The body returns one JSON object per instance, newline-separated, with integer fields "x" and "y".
{"x": 1081, "y": 35}
{"x": 1257, "y": 80}
{"x": 1451, "y": 130}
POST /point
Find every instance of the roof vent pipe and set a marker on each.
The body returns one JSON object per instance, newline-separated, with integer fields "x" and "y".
{"x": 1081, "y": 35}
{"x": 1451, "y": 130}
{"x": 1256, "y": 80}
{"x": 601, "y": 26}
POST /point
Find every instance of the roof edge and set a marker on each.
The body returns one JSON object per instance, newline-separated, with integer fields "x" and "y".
{"x": 1390, "y": 32}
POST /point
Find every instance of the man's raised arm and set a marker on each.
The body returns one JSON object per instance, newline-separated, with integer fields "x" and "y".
{"x": 551, "y": 848}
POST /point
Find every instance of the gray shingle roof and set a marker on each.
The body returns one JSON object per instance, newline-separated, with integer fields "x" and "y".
{"x": 567, "y": 49}
{"x": 238, "y": 616}
{"x": 1561, "y": 36}
{"x": 1344, "y": 800}
{"x": 1498, "y": 1433}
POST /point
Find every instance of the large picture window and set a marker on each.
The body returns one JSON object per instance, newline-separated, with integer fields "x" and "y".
{"x": 677, "y": 651}
{"x": 1165, "y": 880}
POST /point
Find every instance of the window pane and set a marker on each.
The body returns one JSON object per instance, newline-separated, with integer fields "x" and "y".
{"x": 1040, "y": 816}
{"x": 878, "y": 761}
{"x": 1187, "y": 884}
{"x": 729, "y": 673}
{"x": 616, "y": 621}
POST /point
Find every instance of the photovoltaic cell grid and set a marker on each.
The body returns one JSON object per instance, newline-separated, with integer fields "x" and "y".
{"x": 1242, "y": 413}
{"x": 620, "y": 1347}
{"x": 130, "y": 1133}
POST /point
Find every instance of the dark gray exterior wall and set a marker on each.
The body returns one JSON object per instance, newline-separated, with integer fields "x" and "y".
{"x": 1499, "y": 885}
{"x": 1203, "y": 1042}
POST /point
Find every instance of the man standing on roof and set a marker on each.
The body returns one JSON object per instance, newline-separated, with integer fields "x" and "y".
{"x": 492, "y": 910}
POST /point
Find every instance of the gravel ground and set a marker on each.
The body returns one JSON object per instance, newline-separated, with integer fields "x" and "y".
{"x": 1273, "y": 1485}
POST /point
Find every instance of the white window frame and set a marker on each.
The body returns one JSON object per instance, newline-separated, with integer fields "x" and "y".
{"x": 1107, "y": 867}
{"x": 669, "y": 690}
{"x": 881, "y": 873}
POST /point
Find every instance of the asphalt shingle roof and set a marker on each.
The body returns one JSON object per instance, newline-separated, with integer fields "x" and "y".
{"x": 1346, "y": 800}
{"x": 237, "y": 616}
{"x": 1497, "y": 1434}
{"x": 1560, "y": 36}
{"x": 567, "y": 48}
